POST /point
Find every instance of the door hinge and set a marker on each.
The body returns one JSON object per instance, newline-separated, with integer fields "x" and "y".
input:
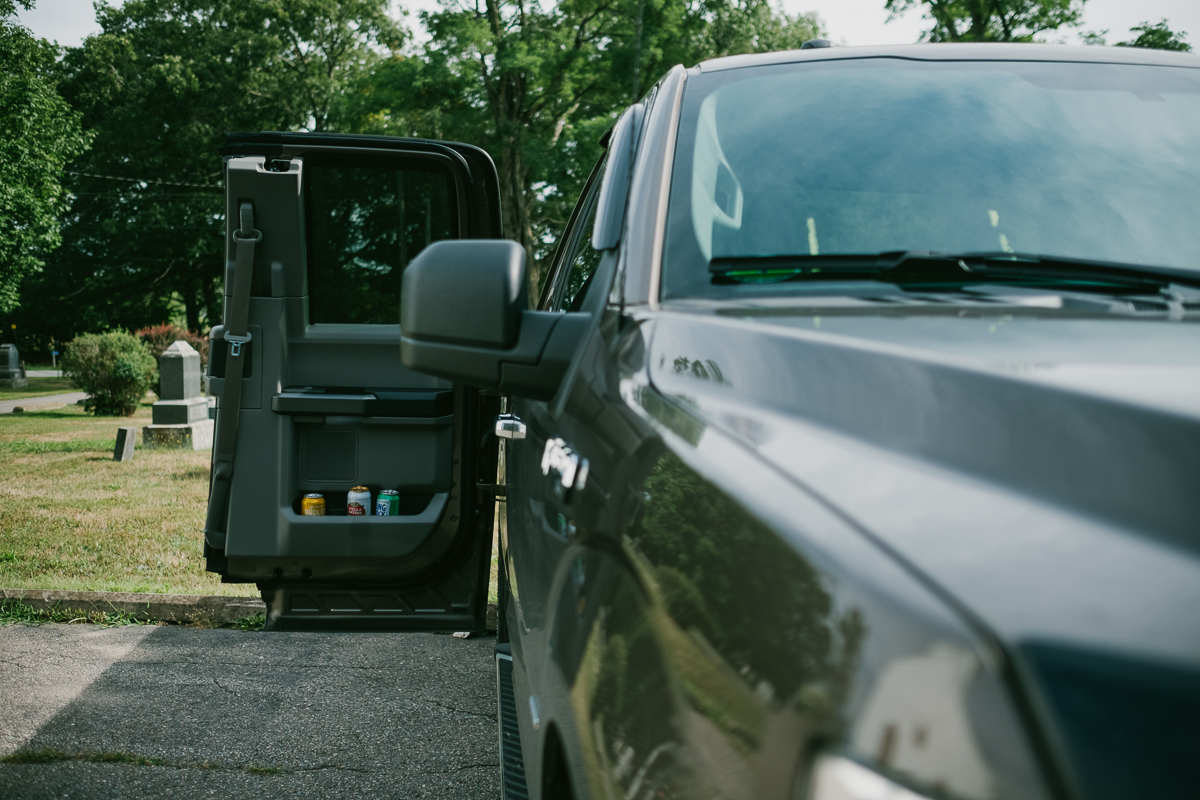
{"x": 496, "y": 490}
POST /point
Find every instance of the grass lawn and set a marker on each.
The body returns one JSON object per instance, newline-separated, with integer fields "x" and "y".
{"x": 72, "y": 518}
{"x": 38, "y": 387}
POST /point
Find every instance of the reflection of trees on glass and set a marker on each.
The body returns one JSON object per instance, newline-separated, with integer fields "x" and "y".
{"x": 583, "y": 262}
{"x": 366, "y": 224}
{"x": 622, "y": 686}
{"x": 728, "y": 618}
{"x": 727, "y": 577}
{"x": 586, "y": 261}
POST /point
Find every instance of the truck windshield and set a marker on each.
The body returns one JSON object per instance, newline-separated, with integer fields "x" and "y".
{"x": 865, "y": 156}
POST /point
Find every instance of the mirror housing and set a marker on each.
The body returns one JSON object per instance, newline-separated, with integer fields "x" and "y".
{"x": 464, "y": 316}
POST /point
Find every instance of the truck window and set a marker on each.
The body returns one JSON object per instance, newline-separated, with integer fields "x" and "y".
{"x": 365, "y": 224}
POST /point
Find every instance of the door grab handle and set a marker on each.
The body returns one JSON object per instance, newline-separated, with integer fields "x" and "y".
{"x": 509, "y": 426}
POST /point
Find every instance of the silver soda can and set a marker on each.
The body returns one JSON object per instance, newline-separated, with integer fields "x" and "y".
{"x": 358, "y": 501}
{"x": 387, "y": 504}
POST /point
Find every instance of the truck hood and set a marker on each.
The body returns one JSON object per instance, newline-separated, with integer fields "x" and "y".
{"x": 1043, "y": 470}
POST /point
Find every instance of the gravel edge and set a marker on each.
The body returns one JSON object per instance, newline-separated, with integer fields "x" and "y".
{"x": 182, "y": 608}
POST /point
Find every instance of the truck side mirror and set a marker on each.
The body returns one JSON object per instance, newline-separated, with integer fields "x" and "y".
{"x": 464, "y": 316}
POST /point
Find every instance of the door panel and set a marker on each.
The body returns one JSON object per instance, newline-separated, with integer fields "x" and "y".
{"x": 327, "y": 404}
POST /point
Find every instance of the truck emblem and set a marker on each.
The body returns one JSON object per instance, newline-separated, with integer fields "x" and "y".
{"x": 571, "y": 468}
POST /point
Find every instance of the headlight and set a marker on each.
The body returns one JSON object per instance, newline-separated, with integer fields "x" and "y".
{"x": 838, "y": 778}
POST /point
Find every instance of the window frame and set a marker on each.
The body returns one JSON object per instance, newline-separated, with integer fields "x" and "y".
{"x": 385, "y": 160}
{"x": 569, "y": 242}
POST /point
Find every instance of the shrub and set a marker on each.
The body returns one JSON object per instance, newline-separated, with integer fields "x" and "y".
{"x": 115, "y": 369}
{"x": 160, "y": 337}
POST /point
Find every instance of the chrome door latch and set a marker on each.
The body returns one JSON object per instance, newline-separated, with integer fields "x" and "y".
{"x": 570, "y": 468}
{"x": 509, "y": 426}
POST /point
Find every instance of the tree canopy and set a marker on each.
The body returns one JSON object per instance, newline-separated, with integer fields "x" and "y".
{"x": 992, "y": 20}
{"x": 159, "y": 87}
{"x": 535, "y": 84}
{"x": 164, "y": 80}
{"x": 1157, "y": 36}
{"x": 39, "y": 134}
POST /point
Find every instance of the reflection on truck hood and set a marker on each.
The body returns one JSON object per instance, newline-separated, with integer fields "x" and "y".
{"x": 1042, "y": 471}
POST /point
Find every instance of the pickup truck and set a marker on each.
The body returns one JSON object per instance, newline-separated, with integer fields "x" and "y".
{"x": 850, "y": 452}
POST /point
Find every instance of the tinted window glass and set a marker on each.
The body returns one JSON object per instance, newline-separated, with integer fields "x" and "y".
{"x": 1092, "y": 161}
{"x": 583, "y": 261}
{"x": 365, "y": 224}
{"x": 576, "y": 260}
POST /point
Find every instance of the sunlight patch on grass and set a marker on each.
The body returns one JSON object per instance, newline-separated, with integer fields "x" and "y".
{"x": 39, "y": 387}
{"x": 74, "y": 519}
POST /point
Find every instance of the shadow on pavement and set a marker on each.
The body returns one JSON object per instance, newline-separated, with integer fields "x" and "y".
{"x": 230, "y": 714}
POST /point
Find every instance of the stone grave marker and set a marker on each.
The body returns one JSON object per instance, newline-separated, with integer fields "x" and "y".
{"x": 180, "y": 417}
{"x": 12, "y": 374}
{"x": 126, "y": 438}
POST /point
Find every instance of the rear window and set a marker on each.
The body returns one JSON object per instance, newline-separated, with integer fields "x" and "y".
{"x": 365, "y": 224}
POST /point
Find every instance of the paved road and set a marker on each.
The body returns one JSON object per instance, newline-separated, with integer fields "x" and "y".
{"x": 45, "y": 401}
{"x": 247, "y": 715}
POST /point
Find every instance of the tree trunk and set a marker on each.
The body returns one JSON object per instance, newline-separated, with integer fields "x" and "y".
{"x": 191, "y": 307}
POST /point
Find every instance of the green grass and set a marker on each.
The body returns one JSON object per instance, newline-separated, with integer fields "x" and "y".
{"x": 71, "y": 446}
{"x": 38, "y": 387}
{"x": 72, "y": 518}
{"x": 264, "y": 771}
{"x": 253, "y": 623}
{"x": 14, "y": 611}
{"x": 49, "y": 755}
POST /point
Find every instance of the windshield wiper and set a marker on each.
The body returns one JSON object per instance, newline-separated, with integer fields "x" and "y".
{"x": 910, "y": 267}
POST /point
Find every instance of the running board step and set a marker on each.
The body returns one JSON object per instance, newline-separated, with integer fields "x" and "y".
{"x": 330, "y": 607}
{"x": 513, "y": 785}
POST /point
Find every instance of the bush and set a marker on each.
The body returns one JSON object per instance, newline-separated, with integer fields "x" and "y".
{"x": 160, "y": 337}
{"x": 115, "y": 369}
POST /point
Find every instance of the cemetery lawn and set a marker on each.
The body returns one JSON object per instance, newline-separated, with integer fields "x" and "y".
{"x": 38, "y": 387}
{"x": 72, "y": 518}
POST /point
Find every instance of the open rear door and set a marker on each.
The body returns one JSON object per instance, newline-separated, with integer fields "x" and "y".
{"x": 326, "y": 404}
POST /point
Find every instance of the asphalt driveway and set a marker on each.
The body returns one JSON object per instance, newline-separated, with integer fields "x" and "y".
{"x": 173, "y": 712}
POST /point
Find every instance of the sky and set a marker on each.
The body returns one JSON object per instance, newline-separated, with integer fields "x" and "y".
{"x": 848, "y": 22}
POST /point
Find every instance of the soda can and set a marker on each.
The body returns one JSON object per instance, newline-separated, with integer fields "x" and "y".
{"x": 358, "y": 501}
{"x": 313, "y": 505}
{"x": 387, "y": 504}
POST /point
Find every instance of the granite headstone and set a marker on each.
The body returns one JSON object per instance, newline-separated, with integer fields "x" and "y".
{"x": 12, "y": 374}
{"x": 180, "y": 417}
{"x": 126, "y": 438}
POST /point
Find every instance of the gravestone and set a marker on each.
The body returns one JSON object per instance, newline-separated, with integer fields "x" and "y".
{"x": 126, "y": 437}
{"x": 12, "y": 374}
{"x": 180, "y": 417}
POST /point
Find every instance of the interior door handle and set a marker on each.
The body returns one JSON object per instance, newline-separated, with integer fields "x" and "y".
{"x": 509, "y": 426}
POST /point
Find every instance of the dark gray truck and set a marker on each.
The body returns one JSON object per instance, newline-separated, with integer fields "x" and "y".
{"x": 851, "y": 451}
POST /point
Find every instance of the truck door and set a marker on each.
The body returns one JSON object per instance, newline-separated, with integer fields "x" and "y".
{"x": 327, "y": 408}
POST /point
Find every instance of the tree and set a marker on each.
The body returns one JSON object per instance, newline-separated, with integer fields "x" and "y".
{"x": 327, "y": 46}
{"x": 991, "y": 20}
{"x": 39, "y": 133}
{"x": 160, "y": 86}
{"x": 538, "y": 86}
{"x": 1158, "y": 37}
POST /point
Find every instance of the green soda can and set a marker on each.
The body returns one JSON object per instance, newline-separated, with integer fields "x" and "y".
{"x": 387, "y": 503}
